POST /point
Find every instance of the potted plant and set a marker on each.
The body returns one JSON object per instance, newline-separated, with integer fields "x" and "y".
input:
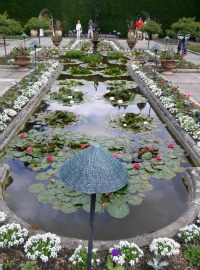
{"x": 21, "y": 56}
{"x": 56, "y": 40}
{"x": 131, "y": 40}
{"x": 169, "y": 59}
{"x": 36, "y": 23}
{"x": 152, "y": 28}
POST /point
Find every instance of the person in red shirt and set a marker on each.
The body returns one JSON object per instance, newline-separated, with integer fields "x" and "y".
{"x": 138, "y": 24}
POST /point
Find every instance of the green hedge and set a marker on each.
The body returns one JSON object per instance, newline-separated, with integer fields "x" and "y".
{"x": 112, "y": 15}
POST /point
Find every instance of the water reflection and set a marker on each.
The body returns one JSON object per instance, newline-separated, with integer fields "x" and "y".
{"x": 164, "y": 204}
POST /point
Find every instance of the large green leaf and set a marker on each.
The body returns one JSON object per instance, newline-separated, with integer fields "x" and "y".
{"x": 135, "y": 200}
{"x": 36, "y": 188}
{"x": 68, "y": 208}
{"x": 118, "y": 210}
{"x": 42, "y": 176}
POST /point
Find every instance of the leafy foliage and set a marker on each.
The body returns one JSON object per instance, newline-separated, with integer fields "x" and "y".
{"x": 192, "y": 254}
{"x": 67, "y": 96}
{"x": 56, "y": 118}
{"x": 74, "y": 54}
{"x": 9, "y": 26}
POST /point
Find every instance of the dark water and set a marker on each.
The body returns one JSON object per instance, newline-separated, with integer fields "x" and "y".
{"x": 161, "y": 206}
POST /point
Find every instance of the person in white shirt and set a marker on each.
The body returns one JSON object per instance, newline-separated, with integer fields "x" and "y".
{"x": 78, "y": 30}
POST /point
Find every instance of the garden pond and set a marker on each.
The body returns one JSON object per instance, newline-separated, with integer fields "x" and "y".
{"x": 96, "y": 104}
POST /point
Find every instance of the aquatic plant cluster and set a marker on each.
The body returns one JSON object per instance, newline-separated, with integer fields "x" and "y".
{"x": 46, "y": 246}
{"x": 159, "y": 159}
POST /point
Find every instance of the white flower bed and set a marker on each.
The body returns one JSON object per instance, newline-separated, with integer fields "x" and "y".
{"x": 43, "y": 246}
{"x": 187, "y": 122}
{"x": 27, "y": 92}
{"x": 12, "y": 235}
{"x": 164, "y": 247}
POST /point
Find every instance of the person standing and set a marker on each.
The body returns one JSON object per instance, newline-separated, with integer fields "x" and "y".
{"x": 138, "y": 24}
{"x": 78, "y": 30}
{"x": 90, "y": 29}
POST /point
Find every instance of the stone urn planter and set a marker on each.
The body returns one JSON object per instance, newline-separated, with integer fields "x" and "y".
{"x": 168, "y": 65}
{"x": 131, "y": 41}
{"x": 56, "y": 43}
{"x": 56, "y": 40}
{"x": 34, "y": 33}
{"x": 22, "y": 60}
{"x": 154, "y": 36}
{"x": 131, "y": 44}
{"x": 58, "y": 33}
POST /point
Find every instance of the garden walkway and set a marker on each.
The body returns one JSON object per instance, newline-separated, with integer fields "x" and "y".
{"x": 188, "y": 82}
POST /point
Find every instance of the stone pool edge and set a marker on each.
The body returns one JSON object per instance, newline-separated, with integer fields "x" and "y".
{"x": 192, "y": 176}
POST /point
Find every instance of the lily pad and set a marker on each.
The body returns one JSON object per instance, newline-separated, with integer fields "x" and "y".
{"x": 36, "y": 188}
{"x": 118, "y": 210}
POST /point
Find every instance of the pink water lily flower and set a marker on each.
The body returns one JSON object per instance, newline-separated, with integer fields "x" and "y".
{"x": 29, "y": 149}
{"x": 170, "y": 145}
{"x": 49, "y": 158}
{"x": 150, "y": 148}
{"x": 159, "y": 157}
{"x": 136, "y": 165}
{"x": 82, "y": 146}
{"x": 115, "y": 155}
{"x": 22, "y": 136}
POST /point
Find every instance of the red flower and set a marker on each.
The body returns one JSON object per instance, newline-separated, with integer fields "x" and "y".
{"x": 159, "y": 157}
{"x": 22, "y": 136}
{"x": 49, "y": 158}
{"x": 82, "y": 146}
{"x": 115, "y": 155}
{"x": 29, "y": 149}
{"x": 170, "y": 145}
{"x": 136, "y": 165}
{"x": 150, "y": 148}
{"x": 87, "y": 145}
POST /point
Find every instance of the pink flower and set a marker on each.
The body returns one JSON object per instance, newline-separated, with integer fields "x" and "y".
{"x": 159, "y": 157}
{"x": 150, "y": 148}
{"x": 82, "y": 146}
{"x": 115, "y": 155}
{"x": 29, "y": 149}
{"x": 170, "y": 145}
{"x": 22, "y": 136}
{"x": 49, "y": 158}
{"x": 136, "y": 165}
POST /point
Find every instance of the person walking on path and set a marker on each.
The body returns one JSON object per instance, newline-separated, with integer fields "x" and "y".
{"x": 78, "y": 30}
{"x": 90, "y": 29}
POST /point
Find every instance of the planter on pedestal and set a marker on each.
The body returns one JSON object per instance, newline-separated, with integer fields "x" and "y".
{"x": 168, "y": 65}
{"x": 131, "y": 44}
{"x": 22, "y": 60}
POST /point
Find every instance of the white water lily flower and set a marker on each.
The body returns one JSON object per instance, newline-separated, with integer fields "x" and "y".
{"x": 111, "y": 98}
{"x": 70, "y": 97}
{"x": 120, "y": 101}
{"x": 125, "y": 125}
{"x": 145, "y": 123}
{"x": 71, "y": 101}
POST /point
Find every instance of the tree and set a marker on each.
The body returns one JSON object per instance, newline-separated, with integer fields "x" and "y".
{"x": 183, "y": 26}
{"x": 9, "y": 26}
